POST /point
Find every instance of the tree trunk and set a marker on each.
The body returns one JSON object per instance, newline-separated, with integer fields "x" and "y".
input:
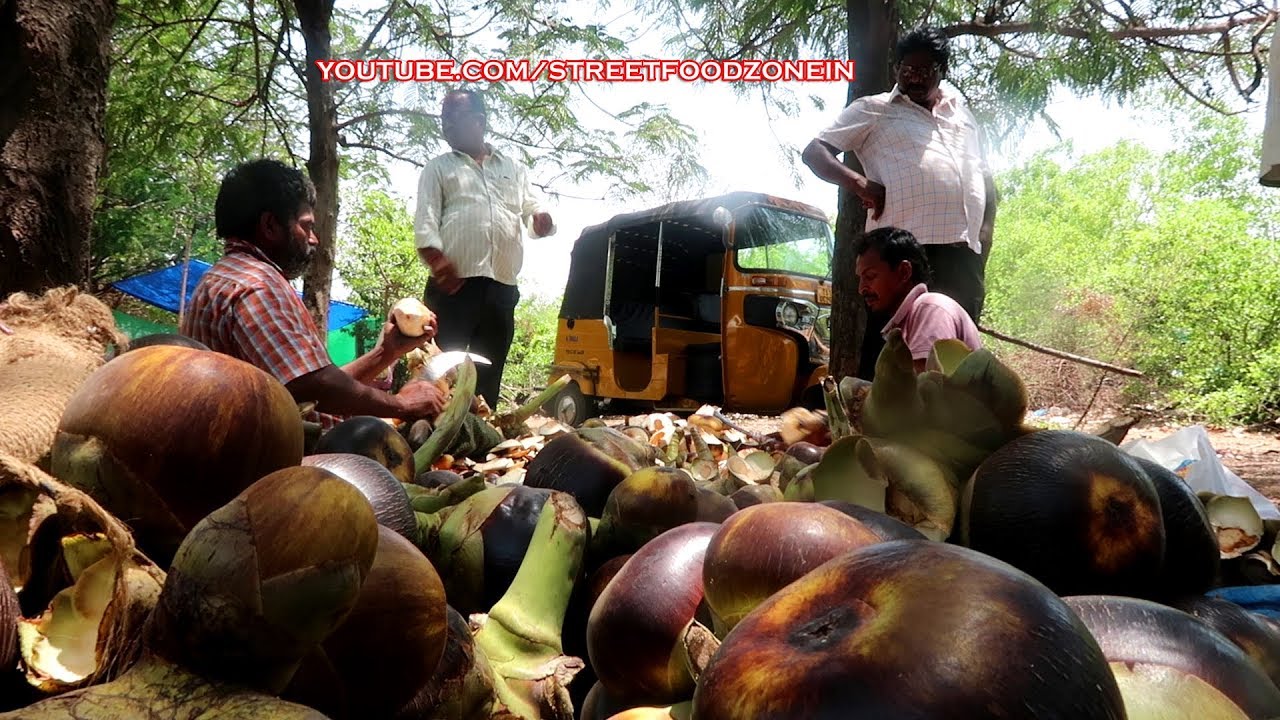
{"x": 53, "y": 78}
{"x": 873, "y": 33}
{"x": 315, "y": 16}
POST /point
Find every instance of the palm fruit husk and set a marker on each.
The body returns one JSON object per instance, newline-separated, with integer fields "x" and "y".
{"x": 1069, "y": 508}
{"x": 574, "y": 632}
{"x": 462, "y": 686}
{"x": 512, "y": 424}
{"x": 892, "y": 478}
{"x": 262, "y": 580}
{"x": 388, "y": 647}
{"x": 713, "y": 506}
{"x": 155, "y": 690}
{"x": 1236, "y": 522}
{"x": 479, "y": 544}
{"x": 9, "y": 616}
{"x": 450, "y": 422}
{"x": 887, "y": 631}
{"x": 85, "y": 619}
{"x": 646, "y": 504}
{"x": 22, "y": 511}
{"x": 1240, "y": 626}
{"x": 1171, "y": 666}
{"x": 117, "y": 438}
{"x": 431, "y": 500}
{"x": 69, "y": 644}
{"x": 636, "y": 625}
{"x": 588, "y": 463}
{"x": 520, "y": 635}
{"x": 384, "y": 492}
{"x": 1191, "y": 547}
{"x": 373, "y": 438}
{"x": 888, "y": 528}
{"x": 755, "y": 495}
{"x": 837, "y": 410}
{"x": 679, "y": 711}
{"x": 762, "y": 549}
{"x": 893, "y": 405}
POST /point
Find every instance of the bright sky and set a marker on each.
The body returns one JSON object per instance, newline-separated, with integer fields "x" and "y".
{"x": 745, "y": 149}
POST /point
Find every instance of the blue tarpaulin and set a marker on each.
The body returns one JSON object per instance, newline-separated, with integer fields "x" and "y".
{"x": 161, "y": 287}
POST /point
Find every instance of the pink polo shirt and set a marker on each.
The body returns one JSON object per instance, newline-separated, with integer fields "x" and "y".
{"x": 927, "y": 317}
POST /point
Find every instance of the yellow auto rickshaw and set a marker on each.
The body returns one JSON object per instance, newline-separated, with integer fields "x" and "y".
{"x": 724, "y": 300}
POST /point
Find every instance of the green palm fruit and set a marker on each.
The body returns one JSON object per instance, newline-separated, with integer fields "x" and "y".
{"x": 520, "y": 637}
{"x": 450, "y": 422}
{"x": 892, "y": 478}
{"x": 645, "y": 505}
{"x": 893, "y": 406}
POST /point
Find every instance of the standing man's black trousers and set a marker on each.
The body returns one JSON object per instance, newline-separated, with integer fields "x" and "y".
{"x": 958, "y": 273}
{"x": 479, "y": 318}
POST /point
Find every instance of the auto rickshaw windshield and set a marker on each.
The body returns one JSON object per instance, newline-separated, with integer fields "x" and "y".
{"x": 773, "y": 239}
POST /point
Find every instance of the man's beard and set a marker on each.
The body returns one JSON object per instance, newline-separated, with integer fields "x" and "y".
{"x": 293, "y": 267}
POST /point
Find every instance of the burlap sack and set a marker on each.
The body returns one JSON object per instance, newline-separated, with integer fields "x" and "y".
{"x": 48, "y": 346}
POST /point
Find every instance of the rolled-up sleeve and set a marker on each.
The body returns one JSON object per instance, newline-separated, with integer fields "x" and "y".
{"x": 430, "y": 206}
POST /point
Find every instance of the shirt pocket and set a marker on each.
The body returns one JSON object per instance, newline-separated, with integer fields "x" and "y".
{"x": 506, "y": 191}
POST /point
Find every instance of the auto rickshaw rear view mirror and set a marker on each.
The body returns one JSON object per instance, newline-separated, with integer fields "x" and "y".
{"x": 722, "y": 217}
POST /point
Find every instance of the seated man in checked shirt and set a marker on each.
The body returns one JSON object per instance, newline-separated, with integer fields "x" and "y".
{"x": 892, "y": 276}
{"x": 245, "y": 307}
{"x": 924, "y": 168}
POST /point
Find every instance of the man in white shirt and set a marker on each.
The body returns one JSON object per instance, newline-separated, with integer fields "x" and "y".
{"x": 473, "y": 204}
{"x": 925, "y": 169}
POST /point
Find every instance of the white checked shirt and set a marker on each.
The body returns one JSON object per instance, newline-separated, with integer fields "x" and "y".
{"x": 930, "y": 163}
{"x": 475, "y": 213}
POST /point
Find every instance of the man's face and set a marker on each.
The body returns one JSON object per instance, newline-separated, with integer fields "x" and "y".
{"x": 918, "y": 77}
{"x": 882, "y": 287}
{"x": 462, "y": 126}
{"x": 291, "y": 246}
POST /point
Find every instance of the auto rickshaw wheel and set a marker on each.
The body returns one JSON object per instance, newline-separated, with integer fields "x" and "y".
{"x": 570, "y": 406}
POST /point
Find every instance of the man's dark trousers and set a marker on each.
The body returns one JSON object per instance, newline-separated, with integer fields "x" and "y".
{"x": 958, "y": 273}
{"x": 480, "y": 318}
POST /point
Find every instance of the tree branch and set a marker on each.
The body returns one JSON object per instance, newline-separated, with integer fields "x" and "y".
{"x": 382, "y": 113}
{"x": 378, "y": 148}
{"x": 1146, "y": 33}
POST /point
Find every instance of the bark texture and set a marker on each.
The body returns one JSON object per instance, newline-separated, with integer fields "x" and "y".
{"x": 53, "y": 78}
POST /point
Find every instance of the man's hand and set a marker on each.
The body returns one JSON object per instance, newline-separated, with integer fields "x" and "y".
{"x": 398, "y": 344}
{"x": 443, "y": 271}
{"x": 872, "y": 195}
{"x": 420, "y": 399}
{"x": 542, "y": 224}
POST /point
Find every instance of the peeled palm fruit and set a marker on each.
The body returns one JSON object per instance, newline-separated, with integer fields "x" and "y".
{"x": 411, "y": 316}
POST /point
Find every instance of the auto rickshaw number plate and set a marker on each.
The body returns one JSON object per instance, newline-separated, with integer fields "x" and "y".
{"x": 824, "y": 294}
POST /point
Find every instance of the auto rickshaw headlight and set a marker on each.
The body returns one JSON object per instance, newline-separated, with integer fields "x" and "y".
{"x": 788, "y": 314}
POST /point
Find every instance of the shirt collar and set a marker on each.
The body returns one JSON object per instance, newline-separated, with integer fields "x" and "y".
{"x": 945, "y": 97}
{"x": 900, "y": 316}
{"x": 493, "y": 152}
{"x": 236, "y": 245}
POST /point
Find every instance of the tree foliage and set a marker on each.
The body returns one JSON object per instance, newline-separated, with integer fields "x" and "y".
{"x": 1167, "y": 261}
{"x": 199, "y": 85}
{"x": 376, "y": 257}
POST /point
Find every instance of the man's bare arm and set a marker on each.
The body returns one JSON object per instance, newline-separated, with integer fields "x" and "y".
{"x": 336, "y": 392}
{"x": 821, "y": 159}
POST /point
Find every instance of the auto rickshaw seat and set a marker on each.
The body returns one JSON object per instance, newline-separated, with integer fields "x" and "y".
{"x": 633, "y": 324}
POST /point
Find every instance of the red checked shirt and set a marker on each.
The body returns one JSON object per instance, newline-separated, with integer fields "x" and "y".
{"x": 244, "y": 307}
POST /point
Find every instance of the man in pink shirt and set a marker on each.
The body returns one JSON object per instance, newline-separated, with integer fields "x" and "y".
{"x": 892, "y": 278}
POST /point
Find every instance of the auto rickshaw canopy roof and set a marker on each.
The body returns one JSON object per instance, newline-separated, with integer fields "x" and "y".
{"x": 690, "y": 229}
